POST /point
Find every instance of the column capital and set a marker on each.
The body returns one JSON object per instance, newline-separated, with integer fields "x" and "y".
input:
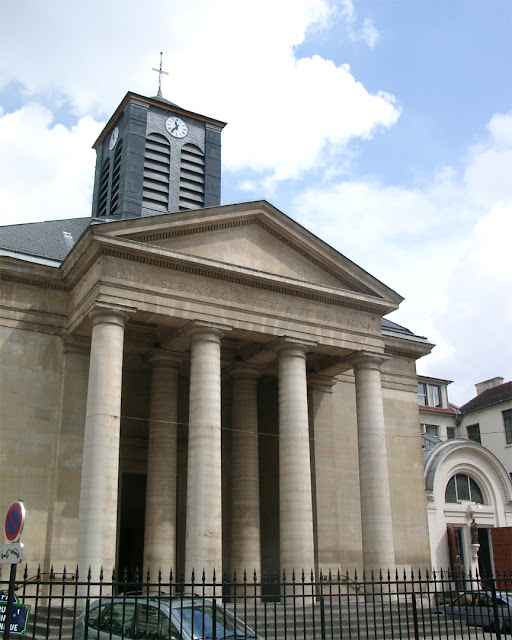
{"x": 367, "y": 359}
{"x": 291, "y": 346}
{"x": 105, "y": 312}
{"x": 164, "y": 358}
{"x": 322, "y": 383}
{"x": 196, "y": 328}
{"x": 244, "y": 370}
{"x": 76, "y": 344}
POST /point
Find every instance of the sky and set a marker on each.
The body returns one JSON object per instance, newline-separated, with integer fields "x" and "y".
{"x": 384, "y": 127}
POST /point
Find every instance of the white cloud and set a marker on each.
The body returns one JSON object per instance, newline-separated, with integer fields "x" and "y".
{"x": 310, "y": 104}
{"x": 46, "y": 168}
{"x": 283, "y": 112}
{"x": 488, "y": 174}
{"x": 367, "y": 33}
{"x": 445, "y": 247}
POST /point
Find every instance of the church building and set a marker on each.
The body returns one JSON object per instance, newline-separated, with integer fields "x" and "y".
{"x": 189, "y": 386}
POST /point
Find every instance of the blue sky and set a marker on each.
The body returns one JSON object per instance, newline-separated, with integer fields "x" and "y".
{"x": 384, "y": 127}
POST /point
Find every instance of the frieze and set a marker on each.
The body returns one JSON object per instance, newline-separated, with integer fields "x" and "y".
{"x": 241, "y": 299}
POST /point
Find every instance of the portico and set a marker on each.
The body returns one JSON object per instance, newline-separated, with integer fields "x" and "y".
{"x": 204, "y": 342}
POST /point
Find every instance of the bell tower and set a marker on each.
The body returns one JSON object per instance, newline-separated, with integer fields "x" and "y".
{"x": 154, "y": 157}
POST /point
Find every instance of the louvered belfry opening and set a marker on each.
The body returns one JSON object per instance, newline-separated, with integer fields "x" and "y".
{"x": 191, "y": 178}
{"x": 103, "y": 191}
{"x": 116, "y": 170}
{"x": 157, "y": 159}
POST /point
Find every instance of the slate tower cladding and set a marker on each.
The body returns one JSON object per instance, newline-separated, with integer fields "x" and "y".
{"x": 154, "y": 157}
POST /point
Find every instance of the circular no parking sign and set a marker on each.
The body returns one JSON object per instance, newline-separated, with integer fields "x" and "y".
{"x": 14, "y": 521}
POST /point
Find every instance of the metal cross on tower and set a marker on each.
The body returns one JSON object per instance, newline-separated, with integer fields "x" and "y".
{"x": 160, "y": 74}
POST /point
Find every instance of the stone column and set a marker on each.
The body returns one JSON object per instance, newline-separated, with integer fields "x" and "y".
{"x": 203, "y": 544}
{"x": 245, "y": 497}
{"x": 160, "y": 520}
{"x": 97, "y": 520}
{"x": 376, "y": 520}
{"x": 295, "y": 500}
{"x": 324, "y": 479}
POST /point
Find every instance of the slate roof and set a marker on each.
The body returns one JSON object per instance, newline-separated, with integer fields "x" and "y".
{"x": 396, "y": 328}
{"x": 52, "y": 239}
{"x": 494, "y": 395}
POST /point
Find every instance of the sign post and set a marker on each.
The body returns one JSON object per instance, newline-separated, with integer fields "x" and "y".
{"x": 12, "y": 553}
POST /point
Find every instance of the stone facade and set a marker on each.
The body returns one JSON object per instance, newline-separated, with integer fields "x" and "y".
{"x": 205, "y": 389}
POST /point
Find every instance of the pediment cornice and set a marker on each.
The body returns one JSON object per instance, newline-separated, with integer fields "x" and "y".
{"x": 156, "y": 256}
{"x": 164, "y": 234}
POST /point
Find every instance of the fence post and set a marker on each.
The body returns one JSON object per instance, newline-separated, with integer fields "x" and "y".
{"x": 415, "y": 616}
{"x": 322, "y": 616}
{"x": 497, "y": 623}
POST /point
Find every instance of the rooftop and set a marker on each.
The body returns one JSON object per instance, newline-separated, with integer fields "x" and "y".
{"x": 494, "y": 395}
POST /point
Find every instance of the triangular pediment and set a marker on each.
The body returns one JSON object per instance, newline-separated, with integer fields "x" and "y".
{"x": 253, "y": 238}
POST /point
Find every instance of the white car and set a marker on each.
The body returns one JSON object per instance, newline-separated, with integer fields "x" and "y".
{"x": 159, "y": 618}
{"x": 476, "y": 609}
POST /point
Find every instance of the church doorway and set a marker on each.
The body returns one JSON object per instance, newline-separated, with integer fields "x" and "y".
{"x": 484, "y": 553}
{"x": 131, "y": 525}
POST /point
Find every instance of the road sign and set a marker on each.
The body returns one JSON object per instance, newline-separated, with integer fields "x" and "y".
{"x": 19, "y": 615}
{"x": 11, "y": 553}
{"x": 14, "y": 521}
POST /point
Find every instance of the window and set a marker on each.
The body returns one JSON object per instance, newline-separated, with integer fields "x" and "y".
{"x": 430, "y": 429}
{"x": 153, "y": 623}
{"x": 157, "y": 161}
{"x": 116, "y": 172}
{"x": 507, "y": 423}
{"x": 462, "y": 487}
{"x": 429, "y": 395}
{"x": 450, "y": 433}
{"x": 103, "y": 190}
{"x": 474, "y": 433}
{"x": 434, "y": 395}
{"x": 118, "y": 620}
{"x": 192, "y": 176}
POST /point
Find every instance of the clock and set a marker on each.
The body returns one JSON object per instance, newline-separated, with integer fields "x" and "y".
{"x": 176, "y": 127}
{"x": 113, "y": 138}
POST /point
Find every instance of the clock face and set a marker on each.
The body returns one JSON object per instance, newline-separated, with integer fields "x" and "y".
{"x": 113, "y": 138}
{"x": 176, "y": 127}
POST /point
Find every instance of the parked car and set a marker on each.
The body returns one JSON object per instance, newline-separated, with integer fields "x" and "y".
{"x": 159, "y": 618}
{"x": 476, "y": 609}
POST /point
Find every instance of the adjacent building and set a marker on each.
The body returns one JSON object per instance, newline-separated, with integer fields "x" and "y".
{"x": 487, "y": 418}
{"x": 468, "y": 488}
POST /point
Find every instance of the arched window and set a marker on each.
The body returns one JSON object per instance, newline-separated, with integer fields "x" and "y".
{"x": 462, "y": 487}
{"x": 116, "y": 170}
{"x": 103, "y": 191}
{"x": 157, "y": 160}
{"x": 191, "y": 178}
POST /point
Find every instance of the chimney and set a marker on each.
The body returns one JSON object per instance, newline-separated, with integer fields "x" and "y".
{"x": 488, "y": 384}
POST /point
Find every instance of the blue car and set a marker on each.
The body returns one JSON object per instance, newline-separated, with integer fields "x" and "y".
{"x": 159, "y": 618}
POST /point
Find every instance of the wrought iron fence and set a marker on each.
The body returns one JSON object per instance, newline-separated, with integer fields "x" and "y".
{"x": 392, "y": 605}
